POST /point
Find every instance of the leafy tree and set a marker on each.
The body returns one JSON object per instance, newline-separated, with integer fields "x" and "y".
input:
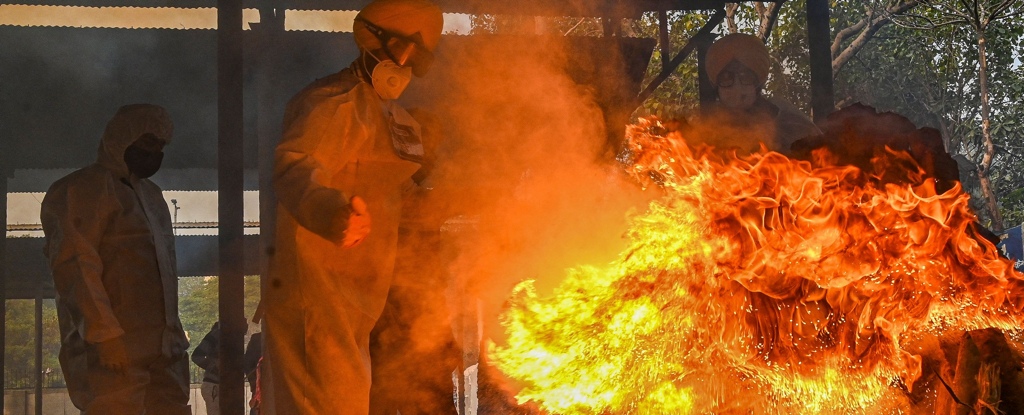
{"x": 934, "y": 77}
{"x": 198, "y": 304}
{"x": 858, "y": 29}
{"x": 979, "y": 17}
{"x": 20, "y": 357}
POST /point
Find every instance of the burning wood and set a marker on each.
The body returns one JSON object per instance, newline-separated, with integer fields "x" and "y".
{"x": 764, "y": 284}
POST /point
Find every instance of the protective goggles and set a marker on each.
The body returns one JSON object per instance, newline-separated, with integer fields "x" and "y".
{"x": 729, "y": 78}
{"x": 403, "y": 50}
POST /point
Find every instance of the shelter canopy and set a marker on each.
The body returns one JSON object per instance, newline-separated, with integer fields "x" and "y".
{"x": 593, "y": 8}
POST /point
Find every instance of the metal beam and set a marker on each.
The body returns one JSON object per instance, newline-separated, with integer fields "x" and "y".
{"x": 268, "y": 35}
{"x": 5, "y": 151}
{"x": 663, "y": 39}
{"x": 39, "y": 354}
{"x": 706, "y": 89}
{"x": 230, "y": 178}
{"x": 590, "y": 8}
{"x": 701, "y": 35}
{"x": 819, "y": 42}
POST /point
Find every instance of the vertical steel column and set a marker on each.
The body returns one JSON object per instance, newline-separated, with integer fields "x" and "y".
{"x": 39, "y": 352}
{"x": 702, "y": 35}
{"x": 819, "y": 40}
{"x": 229, "y": 198}
{"x": 4, "y": 169}
{"x": 705, "y": 88}
{"x": 5, "y": 150}
{"x": 663, "y": 40}
{"x": 269, "y": 33}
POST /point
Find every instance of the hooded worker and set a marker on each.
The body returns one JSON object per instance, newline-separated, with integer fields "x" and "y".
{"x": 111, "y": 251}
{"x": 347, "y": 153}
{"x": 743, "y": 118}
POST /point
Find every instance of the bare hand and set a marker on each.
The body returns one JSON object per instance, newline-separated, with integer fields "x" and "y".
{"x": 358, "y": 223}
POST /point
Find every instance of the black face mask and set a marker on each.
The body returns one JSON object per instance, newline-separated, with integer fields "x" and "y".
{"x": 142, "y": 163}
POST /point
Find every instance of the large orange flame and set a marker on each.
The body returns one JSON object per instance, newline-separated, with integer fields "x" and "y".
{"x": 760, "y": 284}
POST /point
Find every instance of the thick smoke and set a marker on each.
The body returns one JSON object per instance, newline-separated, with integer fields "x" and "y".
{"x": 526, "y": 168}
{"x": 522, "y": 183}
{"x": 66, "y": 83}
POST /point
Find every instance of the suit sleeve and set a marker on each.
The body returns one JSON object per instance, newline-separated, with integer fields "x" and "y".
{"x": 301, "y": 182}
{"x": 74, "y": 220}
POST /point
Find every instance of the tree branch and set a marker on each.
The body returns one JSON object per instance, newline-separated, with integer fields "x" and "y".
{"x": 730, "y": 16}
{"x": 931, "y": 24}
{"x": 999, "y": 9}
{"x": 846, "y": 33}
{"x": 578, "y": 23}
{"x": 769, "y": 16}
{"x": 870, "y": 25}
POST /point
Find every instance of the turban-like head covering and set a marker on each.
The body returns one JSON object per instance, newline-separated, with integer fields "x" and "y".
{"x": 404, "y": 17}
{"x": 746, "y": 49}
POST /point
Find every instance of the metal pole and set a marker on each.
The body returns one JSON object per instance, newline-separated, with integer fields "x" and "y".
{"x": 663, "y": 39}
{"x": 819, "y": 39}
{"x": 4, "y": 151}
{"x": 39, "y": 353}
{"x": 704, "y": 32}
{"x": 229, "y": 197}
{"x": 268, "y": 32}
{"x": 706, "y": 89}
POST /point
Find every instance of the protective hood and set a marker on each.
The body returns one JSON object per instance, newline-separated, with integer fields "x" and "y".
{"x": 747, "y": 49}
{"x": 410, "y": 18}
{"x": 128, "y": 124}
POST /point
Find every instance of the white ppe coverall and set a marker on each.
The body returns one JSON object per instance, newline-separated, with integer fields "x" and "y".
{"x": 111, "y": 251}
{"x": 340, "y": 140}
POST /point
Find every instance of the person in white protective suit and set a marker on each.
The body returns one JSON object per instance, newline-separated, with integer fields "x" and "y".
{"x": 744, "y": 118}
{"x": 111, "y": 251}
{"x": 347, "y": 153}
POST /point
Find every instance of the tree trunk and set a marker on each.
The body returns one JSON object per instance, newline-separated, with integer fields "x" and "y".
{"x": 768, "y": 15}
{"x": 865, "y": 29}
{"x": 990, "y": 149}
{"x": 730, "y": 17}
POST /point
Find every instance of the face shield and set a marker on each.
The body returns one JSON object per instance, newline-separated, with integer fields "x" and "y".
{"x": 402, "y": 50}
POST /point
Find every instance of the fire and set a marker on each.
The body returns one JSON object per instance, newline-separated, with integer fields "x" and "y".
{"x": 760, "y": 284}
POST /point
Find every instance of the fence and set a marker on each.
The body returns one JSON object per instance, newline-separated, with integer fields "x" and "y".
{"x": 54, "y": 378}
{"x": 25, "y": 379}
{"x": 57, "y": 402}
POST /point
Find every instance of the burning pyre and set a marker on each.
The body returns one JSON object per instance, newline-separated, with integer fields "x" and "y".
{"x": 763, "y": 284}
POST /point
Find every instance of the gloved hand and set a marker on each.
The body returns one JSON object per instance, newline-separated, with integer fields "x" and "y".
{"x": 358, "y": 223}
{"x": 113, "y": 354}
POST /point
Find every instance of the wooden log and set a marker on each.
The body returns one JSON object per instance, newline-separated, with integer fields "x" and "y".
{"x": 965, "y": 385}
{"x": 986, "y": 377}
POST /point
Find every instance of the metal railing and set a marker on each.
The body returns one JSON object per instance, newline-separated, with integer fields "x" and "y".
{"x": 26, "y": 379}
{"x": 54, "y": 378}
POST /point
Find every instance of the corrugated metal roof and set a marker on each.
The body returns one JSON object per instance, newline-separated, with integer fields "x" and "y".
{"x": 623, "y": 8}
{"x": 123, "y": 3}
{"x": 113, "y": 17}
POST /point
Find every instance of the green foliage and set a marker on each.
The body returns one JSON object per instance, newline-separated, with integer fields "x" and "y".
{"x": 197, "y": 308}
{"x": 929, "y": 76}
{"x": 198, "y": 304}
{"x": 19, "y": 356}
{"x": 790, "y": 78}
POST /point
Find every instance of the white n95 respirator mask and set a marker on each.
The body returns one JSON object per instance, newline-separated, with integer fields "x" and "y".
{"x": 389, "y": 79}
